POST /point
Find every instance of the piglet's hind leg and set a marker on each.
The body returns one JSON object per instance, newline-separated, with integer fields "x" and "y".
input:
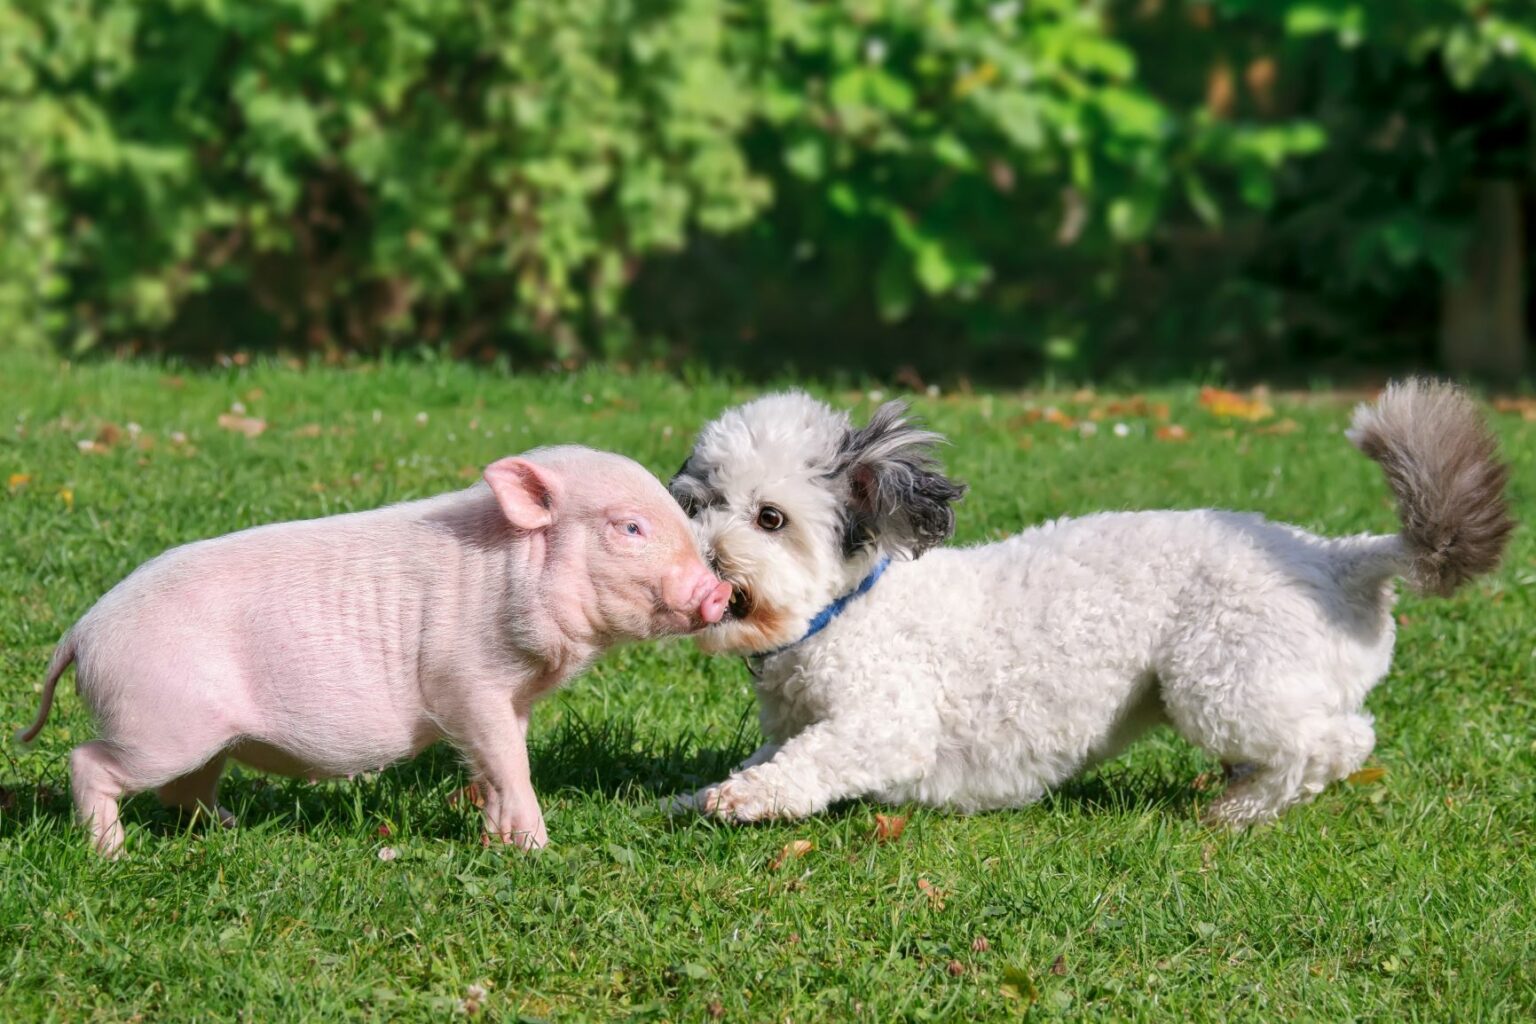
{"x": 198, "y": 791}
{"x": 95, "y": 780}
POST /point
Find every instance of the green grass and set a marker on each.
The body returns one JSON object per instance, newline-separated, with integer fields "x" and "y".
{"x": 1407, "y": 898}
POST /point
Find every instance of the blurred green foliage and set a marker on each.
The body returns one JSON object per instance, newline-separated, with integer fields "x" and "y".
{"x": 935, "y": 182}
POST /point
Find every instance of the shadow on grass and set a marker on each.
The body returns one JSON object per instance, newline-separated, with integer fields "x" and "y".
{"x": 613, "y": 758}
{"x": 1118, "y": 790}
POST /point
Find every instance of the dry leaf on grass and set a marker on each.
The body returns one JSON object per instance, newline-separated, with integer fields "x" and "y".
{"x": 307, "y": 430}
{"x": 792, "y": 851}
{"x": 1059, "y": 965}
{"x": 1366, "y": 776}
{"x": 889, "y": 827}
{"x": 470, "y": 793}
{"x": 1285, "y": 426}
{"x": 934, "y": 893}
{"x": 1171, "y": 432}
{"x": 1525, "y": 408}
{"x": 250, "y": 426}
{"x": 17, "y": 481}
{"x": 1234, "y": 406}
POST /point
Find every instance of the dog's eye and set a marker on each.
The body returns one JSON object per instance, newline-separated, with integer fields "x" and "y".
{"x": 770, "y": 518}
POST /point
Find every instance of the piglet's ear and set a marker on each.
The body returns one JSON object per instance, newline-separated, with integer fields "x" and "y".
{"x": 526, "y": 492}
{"x": 898, "y": 495}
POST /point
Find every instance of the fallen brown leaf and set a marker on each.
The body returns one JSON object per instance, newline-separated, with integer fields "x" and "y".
{"x": 889, "y": 827}
{"x": 470, "y": 793}
{"x": 307, "y": 430}
{"x": 250, "y": 426}
{"x": 1171, "y": 432}
{"x": 1285, "y": 426}
{"x": 1059, "y": 965}
{"x": 792, "y": 851}
{"x": 108, "y": 435}
{"x": 1056, "y": 416}
{"x": 1524, "y": 407}
{"x": 934, "y": 893}
{"x": 1366, "y": 776}
{"x": 1232, "y": 405}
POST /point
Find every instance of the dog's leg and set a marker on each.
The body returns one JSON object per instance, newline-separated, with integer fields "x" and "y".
{"x": 759, "y": 756}
{"x": 1336, "y": 749}
{"x": 826, "y": 762}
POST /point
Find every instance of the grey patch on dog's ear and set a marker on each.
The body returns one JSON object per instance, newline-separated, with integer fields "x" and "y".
{"x": 898, "y": 495}
{"x": 688, "y": 490}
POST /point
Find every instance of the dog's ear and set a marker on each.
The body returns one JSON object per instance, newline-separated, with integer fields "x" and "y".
{"x": 898, "y": 495}
{"x": 688, "y": 490}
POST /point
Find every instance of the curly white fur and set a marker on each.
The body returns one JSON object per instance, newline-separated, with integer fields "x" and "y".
{"x": 980, "y": 677}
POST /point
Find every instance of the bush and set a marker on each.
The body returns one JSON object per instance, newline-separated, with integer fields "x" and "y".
{"x": 947, "y": 183}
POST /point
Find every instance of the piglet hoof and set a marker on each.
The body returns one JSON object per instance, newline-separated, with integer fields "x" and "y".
{"x": 524, "y": 839}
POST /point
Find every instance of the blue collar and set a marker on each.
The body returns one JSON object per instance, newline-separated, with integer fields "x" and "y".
{"x": 826, "y": 615}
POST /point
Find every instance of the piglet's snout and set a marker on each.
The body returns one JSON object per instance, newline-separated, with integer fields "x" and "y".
{"x": 716, "y": 596}
{"x": 700, "y": 596}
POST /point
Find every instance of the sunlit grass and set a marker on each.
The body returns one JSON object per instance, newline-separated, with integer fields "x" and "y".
{"x": 1407, "y": 897}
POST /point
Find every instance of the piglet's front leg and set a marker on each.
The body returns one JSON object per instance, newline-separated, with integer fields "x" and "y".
{"x": 496, "y": 742}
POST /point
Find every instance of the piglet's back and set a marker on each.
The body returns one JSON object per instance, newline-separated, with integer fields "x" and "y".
{"x": 307, "y": 607}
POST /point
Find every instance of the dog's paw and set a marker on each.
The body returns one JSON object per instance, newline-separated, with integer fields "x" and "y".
{"x": 742, "y": 798}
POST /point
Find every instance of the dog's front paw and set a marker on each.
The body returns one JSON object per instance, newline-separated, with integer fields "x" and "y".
{"x": 750, "y": 796}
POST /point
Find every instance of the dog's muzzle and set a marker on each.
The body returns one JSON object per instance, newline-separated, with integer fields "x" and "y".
{"x": 741, "y": 601}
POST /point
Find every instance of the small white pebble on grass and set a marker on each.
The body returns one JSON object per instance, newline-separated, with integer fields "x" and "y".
{"x": 134, "y": 430}
{"x": 85, "y": 444}
{"x": 421, "y": 419}
{"x": 876, "y": 395}
{"x": 1121, "y": 430}
{"x": 387, "y": 853}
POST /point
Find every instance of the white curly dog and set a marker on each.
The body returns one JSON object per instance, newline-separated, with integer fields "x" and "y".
{"x": 980, "y": 677}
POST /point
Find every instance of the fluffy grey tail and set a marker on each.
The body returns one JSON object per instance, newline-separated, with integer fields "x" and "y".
{"x": 1442, "y": 463}
{"x": 62, "y": 656}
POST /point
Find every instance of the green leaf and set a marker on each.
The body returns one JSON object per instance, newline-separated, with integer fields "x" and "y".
{"x": 894, "y": 291}
{"x": 806, "y": 157}
{"x": 1200, "y": 199}
{"x": 1018, "y": 985}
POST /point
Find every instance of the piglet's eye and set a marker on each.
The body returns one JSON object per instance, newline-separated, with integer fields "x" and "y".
{"x": 632, "y": 528}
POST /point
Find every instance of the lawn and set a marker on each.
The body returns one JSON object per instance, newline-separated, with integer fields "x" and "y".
{"x": 1406, "y": 894}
